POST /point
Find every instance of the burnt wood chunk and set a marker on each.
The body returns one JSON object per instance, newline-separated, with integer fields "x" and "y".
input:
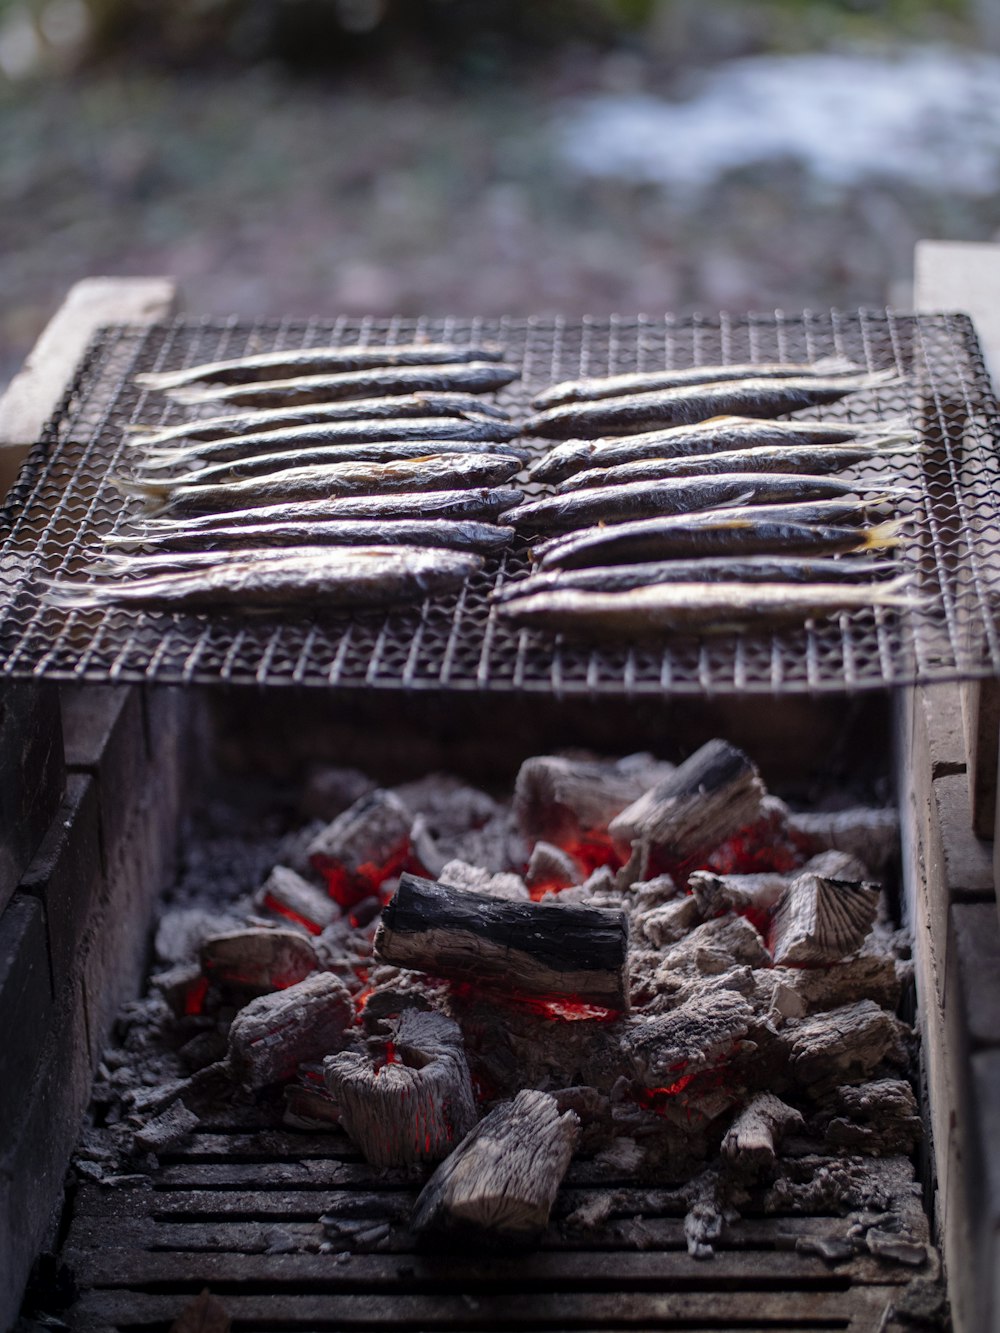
{"x": 822, "y": 920}
{"x": 558, "y": 799}
{"x": 258, "y": 960}
{"x": 274, "y": 1034}
{"x": 795, "y": 991}
{"x": 712, "y": 795}
{"x": 751, "y": 1140}
{"x": 871, "y": 835}
{"x": 505, "y": 884}
{"x": 845, "y": 1045}
{"x": 360, "y": 846}
{"x": 534, "y": 948}
{"x": 418, "y": 1105}
{"x": 501, "y": 1181}
{"x": 881, "y": 1118}
{"x": 286, "y": 894}
{"x": 551, "y": 866}
{"x": 171, "y": 1125}
{"x": 701, "y": 1034}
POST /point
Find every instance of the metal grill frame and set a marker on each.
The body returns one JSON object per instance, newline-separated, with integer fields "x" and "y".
{"x": 64, "y": 503}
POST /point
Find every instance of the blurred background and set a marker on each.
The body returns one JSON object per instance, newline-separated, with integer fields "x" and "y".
{"x": 294, "y": 157}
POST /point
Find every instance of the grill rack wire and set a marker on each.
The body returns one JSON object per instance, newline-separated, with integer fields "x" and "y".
{"x": 64, "y": 504}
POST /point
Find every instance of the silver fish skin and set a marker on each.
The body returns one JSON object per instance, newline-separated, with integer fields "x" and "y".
{"x": 719, "y": 434}
{"x": 254, "y": 420}
{"x": 471, "y": 377}
{"x": 678, "y": 407}
{"x": 739, "y": 531}
{"x": 328, "y": 481}
{"x": 702, "y": 607}
{"x": 318, "y": 361}
{"x": 675, "y": 495}
{"x": 455, "y": 534}
{"x": 424, "y": 432}
{"x": 477, "y": 502}
{"x": 648, "y": 381}
{"x": 817, "y": 460}
{"x": 710, "y": 569}
{"x": 327, "y": 576}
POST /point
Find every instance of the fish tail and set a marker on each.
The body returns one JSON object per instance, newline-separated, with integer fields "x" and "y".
{"x": 191, "y": 397}
{"x": 882, "y": 536}
{"x": 162, "y": 379}
{"x": 836, "y": 365}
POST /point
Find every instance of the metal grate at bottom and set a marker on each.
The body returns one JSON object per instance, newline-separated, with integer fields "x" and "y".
{"x": 236, "y": 1210}
{"x": 66, "y": 503}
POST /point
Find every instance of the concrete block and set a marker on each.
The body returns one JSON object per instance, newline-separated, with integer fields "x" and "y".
{"x": 968, "y": 859}
{"x": 31, "y": 775}
{"x": 104, "y": 736}
{"x": 975, "y": 962}
{"x": 25, "y": 1001}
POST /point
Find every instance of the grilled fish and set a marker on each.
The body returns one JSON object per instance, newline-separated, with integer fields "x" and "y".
{"x": 417, "y": 433}
{"x": 705, "y": 607}
{"x": 476, "y": 502}
{"x": 458, "y": 534}
{"x": 738, "y": 531}
{"x": 711, "y": 569}
{"x": 327, "y": 481}
{"x": 675, "y": 495}
{"x": 816, "y": 459}
{"x": 707, "y": 437}
{"x": 473, "y": 377}
{"x": 393, "y": 408}
{"x": 648, "y": 381}
{"x": 316, "y": 361}
{"x": 312, "y": 577}
{"x": 677, "y": 407}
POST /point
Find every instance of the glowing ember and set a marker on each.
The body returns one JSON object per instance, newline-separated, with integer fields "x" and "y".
{"x": 655, "y": 1099}
{"x": 280, "y": 909}
{"x": 194, "y": 1000}
{"x": 559, "y": 1008}
{"x": 349, "y": 887}
{"x": 765, "y": 845}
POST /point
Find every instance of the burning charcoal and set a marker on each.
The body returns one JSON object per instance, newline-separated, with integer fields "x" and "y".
{"x": 258, "y": 961}
{"x": 737, "y": 893}
{"x": 168, "y": 1127}
{"x": 718, "y": 946}
{"x": 550, "y": 869}
{"x": 667, "y": 924}
{"x": 562, "y": 800}
{"x": 808, "y": 990}
{"x": 870, "y": 835}
{"x": 362, "y": 847}
{"x": 181, "y": 933}
{"x": 497, "y": 846}
{"x": 327, "y": 792}
{"x": 274, "y": 1034}
{"x": 880, "y": 1118}
{"x": 702, "y": 1034}
{"x": 418, "y": 1105}
{"x": 822, "y": 920}
{"x": 844, "y": 1045}
{"x": 308, "y": 1107}
{"x": 184, "y": 988}
{"x": 751, "y": 1140}
{"x": 461, "y": 875}
{"x": 711, "y": 796}
{"x": 502, "y": 1179}
{"x": 364, "y": 913}
{"x": 288, "y": 895}
{"x": 580, "y": 952}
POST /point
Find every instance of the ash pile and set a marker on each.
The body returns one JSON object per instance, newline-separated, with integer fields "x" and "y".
{"x": 657, "y": 973}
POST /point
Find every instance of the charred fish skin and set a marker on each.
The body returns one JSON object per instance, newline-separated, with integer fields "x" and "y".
{"x": 430, "y": 472}
{"x": 816, "y": 460}
{"x": 470, "y": 377}
{"x": 318, "y": 360}
{"x": 720, "y": 434}
{"x": 701, "y": 607}
{"x": 730, "y": 532}
{"x": 455, "y": 534}
{"x": 709, "y": 569}
{"x": 254, "y": 420}
{"x": 326, "y": 576}
{"x": 676, "y": 495}
{"x": 476, "y": 502}
{"x": 649, "y": 381}
{"x": 678, "y": 407}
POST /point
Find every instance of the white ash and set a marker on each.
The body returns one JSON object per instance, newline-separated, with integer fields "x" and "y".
{"x": 550, "y": 865}
{"x": 449, "y": 805}
{"x": 668, "y": 923}
{"x": 181, "y": 933}
{"x": 461, "y": 875}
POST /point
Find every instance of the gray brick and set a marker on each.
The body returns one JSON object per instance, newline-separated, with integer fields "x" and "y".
{"x": 31, "y": 775}
{"x": 976, "y": 961}
{"x": 25, "y": 1001}
{"x": 968, "y": 859}
{"x": 105, "y": 737}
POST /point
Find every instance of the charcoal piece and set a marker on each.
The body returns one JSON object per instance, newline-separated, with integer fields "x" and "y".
{"x": 366, "y": 837}
{"x": 461, "y": 875}
{"x": 168, "y": 1127}
{"x": 833, "y": 864}
{"x": 895, "y": 1248}
{"x": 643, "y": 895}
{"x": 286, "y": 894}
{"x": 712, "y": 795}
{"x": 258, "y": 961}
{"x": 822, "y": 920}
{"x": 328, "y": 791}
{"x": 808, "y": 990}
{"x": 739, "y": 893}
{"x": 274, "y": 1034}
{"x": 560, "y": 799}
{"x": 502, "y": 1179}
{"x": 880, "y": 1118}
{"x": 668, "y": 923}
{"x": 707, "y": 1214}
{"x": 180, "y": 987}
{"x": 309, "y": 1107}
{"x": 701, "y": 1034}
{"x": 870, "y": 835}
{"x": 532, "y": 948}
{"x": 717, "y": 946}
{"x": 751, "y": 1141}
{"x": 418, "y": 1105}
{"x": 593, "y": 1110}
{"x": 551, "y": 866}
{"x": 447, "y": 804}
{"x": 844, "y": 1045}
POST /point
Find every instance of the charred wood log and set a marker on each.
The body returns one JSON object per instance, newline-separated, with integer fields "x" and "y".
{"x": 532, "y": 948}
{"x": 701, "y": 1034}
{"x": 822, "y": 920}
{"x": 274, "y": 1034}
{"x": 418, "y": 1105}
{"x": 844, "y": 1045}
{"x": 502, "y": 1179}
{"x": 362, "y": 846}
{"x": 751, "y": 1141}
{"x": 258, "y": 961}
{"x": 880, "y": 1118}
{"x": 560, "y": 799}
{"x": 286, "y": 894}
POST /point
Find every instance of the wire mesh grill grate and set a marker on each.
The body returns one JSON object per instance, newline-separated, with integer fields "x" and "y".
{"x": 65, "y": 503}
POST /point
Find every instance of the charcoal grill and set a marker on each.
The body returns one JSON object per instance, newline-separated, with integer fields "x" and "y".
{"x": 66, "y": 502}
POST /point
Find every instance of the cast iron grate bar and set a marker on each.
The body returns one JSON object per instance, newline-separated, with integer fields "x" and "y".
{"x": 65, "y": 504}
